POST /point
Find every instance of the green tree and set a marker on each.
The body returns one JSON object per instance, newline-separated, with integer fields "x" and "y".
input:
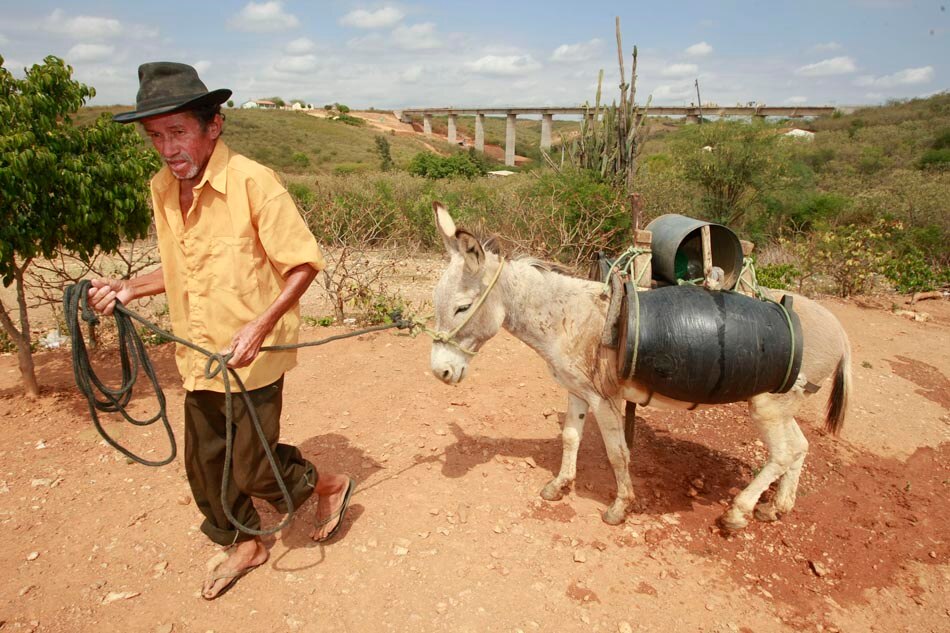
{"x": 62, "y": 187}
{"x": 382, "y": 150}
{"x": 230, "y": 103}
{"x": 278, "y": 102}
{"x": 733, "y": 163}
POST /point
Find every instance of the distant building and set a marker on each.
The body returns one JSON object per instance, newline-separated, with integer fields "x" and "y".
{"x": 259, "y": 103}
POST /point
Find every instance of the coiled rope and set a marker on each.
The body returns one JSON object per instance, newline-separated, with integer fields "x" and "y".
{"x": 133, "y": 356}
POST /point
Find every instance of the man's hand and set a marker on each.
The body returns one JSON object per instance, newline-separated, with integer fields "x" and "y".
{"x": 104, "y": 292}
{"x": 247, "y": 341}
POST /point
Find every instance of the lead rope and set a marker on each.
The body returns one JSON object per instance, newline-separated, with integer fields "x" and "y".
{"x": 132, "y": 355}
{"x": 448, "y": 338}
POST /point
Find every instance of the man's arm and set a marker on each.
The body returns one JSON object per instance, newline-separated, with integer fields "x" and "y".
{"x": 104, "y": 292}
{"x": 246, "y": 344}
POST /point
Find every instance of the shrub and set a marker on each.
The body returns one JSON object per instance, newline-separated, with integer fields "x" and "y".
{"x": 745, "y": 163}
{"x": 300, "y": 160}
{"x": 935, "y": 158}
{"x": 350, "y": 120}
{"x": 872, "y": 160}
{"x": 912, "y": 271}
{"x": 302, "y": 194}
{"x": 819, "y": 157}
{"x": 777, "y": 276}
{"x": 942, "y": 141}
{"x": 434, "y": 166}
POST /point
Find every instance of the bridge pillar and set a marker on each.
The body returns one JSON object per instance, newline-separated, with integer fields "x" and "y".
{"x": 546, "y": 120}
{"x": 510, "y": 140}
{"x": 692, "y": 118}
{"x": 453, "y": 118}
{"x": 479, "y": 131}
{"x": 427, "y": 124}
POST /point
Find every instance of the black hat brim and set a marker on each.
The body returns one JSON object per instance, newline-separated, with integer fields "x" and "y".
{"x": 215, "y": 97}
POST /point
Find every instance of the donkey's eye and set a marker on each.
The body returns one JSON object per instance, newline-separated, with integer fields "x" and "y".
{"x": 463, "y": 308}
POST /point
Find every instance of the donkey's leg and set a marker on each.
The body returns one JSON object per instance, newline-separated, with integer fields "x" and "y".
{"x": 611, "y": 423}
{"x": 770, "y": 415}
{"x": 787, "y": 490}
{"x": 570, "y": 441}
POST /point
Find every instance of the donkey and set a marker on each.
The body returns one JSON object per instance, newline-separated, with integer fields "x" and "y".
{"x": 562, "y": 317}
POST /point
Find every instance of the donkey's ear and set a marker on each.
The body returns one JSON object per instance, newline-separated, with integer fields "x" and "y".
{"x": 445, "y": 226}
{"x": 471, "y": 250}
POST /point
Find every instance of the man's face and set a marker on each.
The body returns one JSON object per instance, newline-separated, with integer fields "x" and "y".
{"x": 181, "y": 142}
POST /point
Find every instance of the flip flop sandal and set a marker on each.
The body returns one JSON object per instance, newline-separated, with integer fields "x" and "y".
{"x": 231, "y": 576}
{"x": 341, "y": 511}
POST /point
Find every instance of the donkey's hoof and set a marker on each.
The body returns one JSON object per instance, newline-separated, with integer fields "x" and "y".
{"x": 552, "y": 492}
{"x": 766, "y": 512}
{"x": 614, "y": 516}
{"x": 733, "y": 520}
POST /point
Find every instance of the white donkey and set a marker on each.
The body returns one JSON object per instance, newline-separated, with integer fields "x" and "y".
{"x": 562, "y": 317}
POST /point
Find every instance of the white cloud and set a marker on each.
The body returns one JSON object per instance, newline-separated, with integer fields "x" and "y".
{"x": 82, "y": 26}
{"x": 379, "y": 19}
{"x": 416, "y": 37}
{"x": 796, "y": 100}
{"x": 700, "y": 49}
{"x": 202, "y": 66}
{"x": 679, "y": 70}
{"x": 263, "y": 18}
{"x": 371, "y": 42}
{"x": 296, "y": 64}
{"x": 828, "y": 67}
{"x": 411, "y": 74}
{"x": 299, "y": 46}
{"x": 674, "y": 92}
{"x": 89, "y": 53}
{"x": 580, "y": 52}
{"x": 826, "y": 47}
{"x": 906, "y": 77}
{"x": 503, "y": 65}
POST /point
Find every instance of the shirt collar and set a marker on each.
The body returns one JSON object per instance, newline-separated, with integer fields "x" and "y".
{"x": 216, "y": 172}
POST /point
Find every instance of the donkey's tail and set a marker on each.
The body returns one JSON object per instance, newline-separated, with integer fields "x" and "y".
{"x": 840, "y": 391}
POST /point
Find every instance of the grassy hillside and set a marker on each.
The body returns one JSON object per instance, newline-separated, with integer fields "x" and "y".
{"x": 297, "y": 143}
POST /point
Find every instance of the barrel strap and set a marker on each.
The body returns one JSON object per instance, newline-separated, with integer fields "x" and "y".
{"x": 791, "y": 353}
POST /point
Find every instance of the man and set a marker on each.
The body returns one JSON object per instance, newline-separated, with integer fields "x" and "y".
{"x": 236, "y": 257}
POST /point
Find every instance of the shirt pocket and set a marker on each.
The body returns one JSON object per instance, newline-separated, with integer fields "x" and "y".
{"x": 234, "y": 265}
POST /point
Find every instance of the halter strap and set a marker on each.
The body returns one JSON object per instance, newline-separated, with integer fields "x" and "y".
{"x": 448, "y": 337}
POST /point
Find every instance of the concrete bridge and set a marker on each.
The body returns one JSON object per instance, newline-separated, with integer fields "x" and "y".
{"x": 691, "y": 113}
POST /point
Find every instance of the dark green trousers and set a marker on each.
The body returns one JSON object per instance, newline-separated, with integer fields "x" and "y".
{"x": 251, "y": 474}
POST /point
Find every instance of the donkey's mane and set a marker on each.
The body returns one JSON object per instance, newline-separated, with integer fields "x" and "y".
{"x": 495, "y": 244}
{"x": 546, "y": 266}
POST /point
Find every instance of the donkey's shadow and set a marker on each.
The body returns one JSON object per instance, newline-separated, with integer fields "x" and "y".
{"x": 663, "y": 467}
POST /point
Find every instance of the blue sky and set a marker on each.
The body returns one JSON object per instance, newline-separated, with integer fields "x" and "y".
{"x": 493, "y": 53}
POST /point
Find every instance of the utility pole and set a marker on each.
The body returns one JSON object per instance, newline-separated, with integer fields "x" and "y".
{"x": 700, "y": 102}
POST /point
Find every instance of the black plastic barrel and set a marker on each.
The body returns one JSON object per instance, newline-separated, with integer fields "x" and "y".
{"x": 708, "y": 347}
{"x": 678, "y": 249}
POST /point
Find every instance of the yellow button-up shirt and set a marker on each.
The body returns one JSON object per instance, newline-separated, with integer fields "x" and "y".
{"x": 224, "y": 262}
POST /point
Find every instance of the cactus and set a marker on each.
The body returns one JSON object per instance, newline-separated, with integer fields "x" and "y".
{"x": 611, "y": 136}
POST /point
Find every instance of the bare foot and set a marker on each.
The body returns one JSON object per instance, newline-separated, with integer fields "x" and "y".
{"x": 331, "y": 490}
{"x": 246, "y": 556}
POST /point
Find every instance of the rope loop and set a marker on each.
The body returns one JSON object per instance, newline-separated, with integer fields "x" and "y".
{"x": 133, "y": 355}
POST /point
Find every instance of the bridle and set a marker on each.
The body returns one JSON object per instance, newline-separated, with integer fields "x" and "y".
{"x": 448, "y": 338}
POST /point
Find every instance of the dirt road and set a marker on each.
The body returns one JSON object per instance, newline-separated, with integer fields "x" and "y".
{"x": 447, "y": 531}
